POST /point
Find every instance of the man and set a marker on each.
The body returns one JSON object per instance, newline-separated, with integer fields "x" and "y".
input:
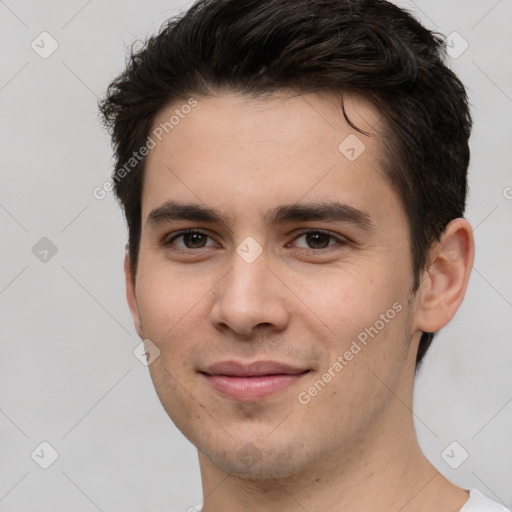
{"x": 294, "y": 244}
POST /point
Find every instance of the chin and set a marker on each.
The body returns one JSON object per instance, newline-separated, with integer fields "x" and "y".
{"x": 261, "y": 471}
{"x": 249, "y": 462}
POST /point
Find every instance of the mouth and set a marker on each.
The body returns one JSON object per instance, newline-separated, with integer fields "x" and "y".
{"x": 254, "y": 381}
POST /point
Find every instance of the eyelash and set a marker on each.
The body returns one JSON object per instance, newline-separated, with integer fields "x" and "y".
{"x": 302, "y": 233}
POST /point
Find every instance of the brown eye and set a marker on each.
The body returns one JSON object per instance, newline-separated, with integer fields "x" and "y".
{"x": 194, "y": 240}
{"x": 318, "y": 240}
{"x": 190, "y": 240}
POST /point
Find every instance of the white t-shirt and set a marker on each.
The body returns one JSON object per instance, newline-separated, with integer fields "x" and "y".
{"x": 477, "y": 503}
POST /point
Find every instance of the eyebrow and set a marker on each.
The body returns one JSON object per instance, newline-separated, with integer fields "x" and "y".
{"x": 327, "y": 211}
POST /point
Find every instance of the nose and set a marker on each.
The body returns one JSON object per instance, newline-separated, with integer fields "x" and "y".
{"x": 250, "y": 298}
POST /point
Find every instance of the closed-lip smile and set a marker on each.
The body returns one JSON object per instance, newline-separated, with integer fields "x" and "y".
{"x": 254, "y": 381}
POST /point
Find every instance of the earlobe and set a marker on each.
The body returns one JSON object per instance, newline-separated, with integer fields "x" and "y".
{"x": 445, "y": 280}
{"x": 131, "y": 295}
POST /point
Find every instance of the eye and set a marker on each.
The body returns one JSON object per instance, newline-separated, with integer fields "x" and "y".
{"x": 192, "y": 239}
{"x": 317, "y": 239}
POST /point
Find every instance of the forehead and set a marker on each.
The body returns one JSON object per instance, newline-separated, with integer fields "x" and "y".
{"x": 236, "y": 153}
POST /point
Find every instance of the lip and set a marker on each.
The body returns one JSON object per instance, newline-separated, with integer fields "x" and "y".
{"x": 252, "y": 381}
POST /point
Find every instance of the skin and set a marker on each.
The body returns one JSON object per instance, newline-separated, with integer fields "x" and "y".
{"x": 298, "y": 303}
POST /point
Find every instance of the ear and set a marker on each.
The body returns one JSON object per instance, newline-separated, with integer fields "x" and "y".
{"x": 130, "y": 294}
{"x": 444, "y": 282}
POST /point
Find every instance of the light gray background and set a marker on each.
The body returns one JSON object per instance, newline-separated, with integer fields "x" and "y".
{"x": 68, "y": 375}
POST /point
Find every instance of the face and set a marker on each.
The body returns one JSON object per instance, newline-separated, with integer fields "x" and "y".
{"x": 279, "y": 318}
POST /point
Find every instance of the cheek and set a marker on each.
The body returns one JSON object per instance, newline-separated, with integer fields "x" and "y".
{"x": 365, "y": 314}
{"x": 350, "y": 299}
{"x": 165, "y": 298}
{"x": 169, "y": 305}
{"x": 367, "y": 351}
